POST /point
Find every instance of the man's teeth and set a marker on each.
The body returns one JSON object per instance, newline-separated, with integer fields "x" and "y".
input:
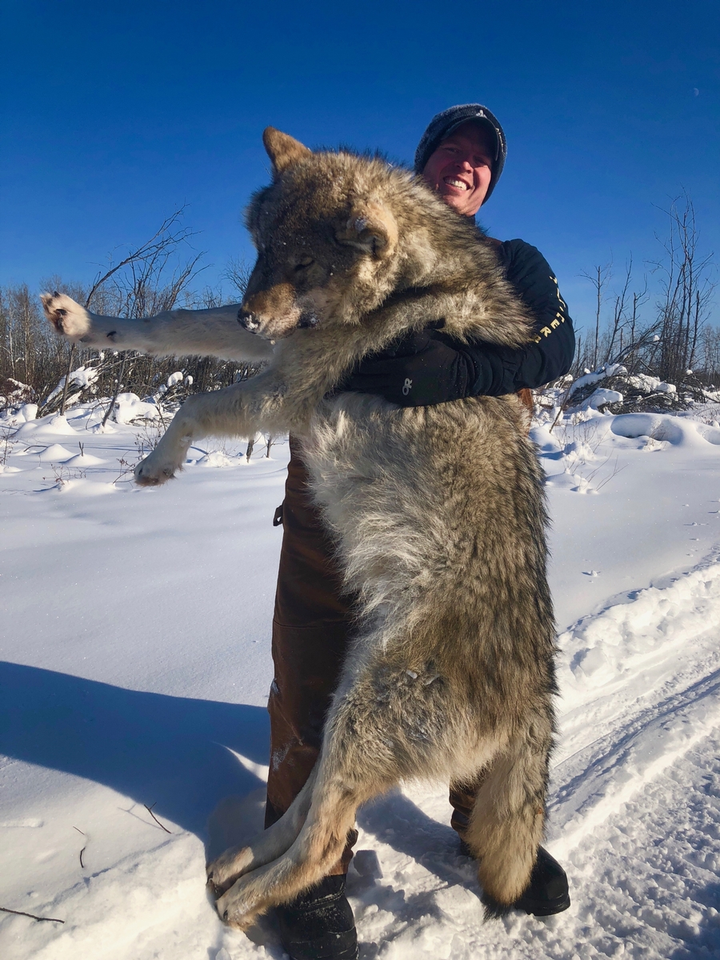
{"x": 451, "y": 181}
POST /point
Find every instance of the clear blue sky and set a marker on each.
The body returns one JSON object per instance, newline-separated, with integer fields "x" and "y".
{"x": 115, "y": 114}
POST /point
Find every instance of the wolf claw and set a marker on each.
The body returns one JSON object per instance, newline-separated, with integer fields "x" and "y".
{"x": 236, "y": 910}
{"x": 224, "y": 871}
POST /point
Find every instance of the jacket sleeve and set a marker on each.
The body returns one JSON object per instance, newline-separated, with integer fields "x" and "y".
{"x": 498, "y": 370}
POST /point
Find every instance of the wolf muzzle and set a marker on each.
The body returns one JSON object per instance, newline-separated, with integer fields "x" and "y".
{"x": 248, "y": 320}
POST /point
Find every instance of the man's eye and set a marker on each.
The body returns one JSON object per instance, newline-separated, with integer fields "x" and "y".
{"x": 304, "y": 264}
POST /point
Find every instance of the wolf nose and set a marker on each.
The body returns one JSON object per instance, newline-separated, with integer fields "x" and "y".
{"x": 247, "y": 319}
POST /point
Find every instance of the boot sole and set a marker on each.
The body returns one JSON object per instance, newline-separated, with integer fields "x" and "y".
{"x": 542, "y": 908}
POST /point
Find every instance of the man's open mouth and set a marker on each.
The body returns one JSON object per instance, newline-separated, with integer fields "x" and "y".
{"x": 454, "y": 182}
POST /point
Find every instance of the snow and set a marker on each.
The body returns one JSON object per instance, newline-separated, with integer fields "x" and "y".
{"x": 129, "y": 407}
{"x": 640, "y": 381}
{"x": 50, "y": 427}
{"x": 609, "y": 370}
{"x": 600, "y": 397}
{"x": 136, "y": 662}
{"x": 83, "y": 377}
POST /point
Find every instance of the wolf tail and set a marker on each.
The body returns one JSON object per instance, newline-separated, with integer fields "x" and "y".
{"x": 508, "y": 817}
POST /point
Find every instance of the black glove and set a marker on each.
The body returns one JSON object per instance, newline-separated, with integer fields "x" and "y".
{"x": 420, "y": 370}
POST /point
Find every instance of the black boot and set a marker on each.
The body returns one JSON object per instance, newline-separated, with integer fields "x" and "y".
{"x": 319, "y": 924}
{"x": 546, "y": 894}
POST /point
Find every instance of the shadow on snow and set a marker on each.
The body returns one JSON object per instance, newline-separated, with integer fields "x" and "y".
{"x": 153, "y": 748}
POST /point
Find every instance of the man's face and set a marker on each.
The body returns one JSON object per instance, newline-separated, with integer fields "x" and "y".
{"x": 460, "y": 168}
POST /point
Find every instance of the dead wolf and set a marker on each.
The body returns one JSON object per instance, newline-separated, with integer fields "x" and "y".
{"x": 437, "y": 513}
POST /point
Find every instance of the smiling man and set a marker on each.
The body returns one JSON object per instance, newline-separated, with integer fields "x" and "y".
{"x": 461, "y": 156}
{"x": 460, "y": 169}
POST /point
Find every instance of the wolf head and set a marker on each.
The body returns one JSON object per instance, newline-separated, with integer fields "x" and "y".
{"x": 326, "y": 237}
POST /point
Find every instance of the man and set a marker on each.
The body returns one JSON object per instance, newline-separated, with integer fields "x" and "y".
{"x": 461, "y": 156}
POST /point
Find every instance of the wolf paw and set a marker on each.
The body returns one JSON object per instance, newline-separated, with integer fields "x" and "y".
{"x": 154, "y": 470}
{"x": 227, "y": 868}
{"x": 67, "y": 316}
{"x": 240, "y": 905}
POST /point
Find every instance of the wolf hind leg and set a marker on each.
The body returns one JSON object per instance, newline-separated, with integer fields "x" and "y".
{"x": 267, "y": 846}
{"x": 508, "y": 818}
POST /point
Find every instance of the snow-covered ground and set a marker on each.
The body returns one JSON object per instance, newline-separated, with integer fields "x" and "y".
{"x": 135, "y": 665}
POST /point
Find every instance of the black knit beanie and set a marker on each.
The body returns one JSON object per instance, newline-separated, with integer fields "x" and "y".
{"x": 443, "y": 124}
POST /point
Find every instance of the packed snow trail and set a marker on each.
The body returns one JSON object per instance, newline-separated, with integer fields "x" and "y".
{"x": 137, "y": 665}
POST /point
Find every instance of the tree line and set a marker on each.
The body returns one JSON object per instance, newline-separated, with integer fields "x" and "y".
{"x": 667, "y": 334}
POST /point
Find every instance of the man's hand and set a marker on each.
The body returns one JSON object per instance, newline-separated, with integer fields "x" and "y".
{"x": 422, "y": 369}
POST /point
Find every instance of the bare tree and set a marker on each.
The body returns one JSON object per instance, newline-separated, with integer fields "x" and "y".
{"x": 21, "y": 334}
{"x": 134, "y": 282}
{"x": 237, "y": 273}
{"x": 630, "y": 352}
{"x": 686, "y": 293}
{"x": 669, "y": 344}
{"x": 139, "y": 285}
{"x": 599, "y": 278}
{"x": 7, "y": 340}
{"x": 626, "y": 336}
{"x": 710, "y": 355}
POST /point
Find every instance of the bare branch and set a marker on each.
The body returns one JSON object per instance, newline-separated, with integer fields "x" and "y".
{"x": 599, "y": 278}
{"x": 150, "y": 811}
{"x": 21, "y": 913}
{"x": 156, "y": 245}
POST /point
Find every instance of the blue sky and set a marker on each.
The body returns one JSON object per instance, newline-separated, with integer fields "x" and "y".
{"x": 115, "y": 114}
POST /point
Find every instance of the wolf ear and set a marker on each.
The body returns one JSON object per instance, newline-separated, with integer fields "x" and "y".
{"x": 372, "y": 229}
{"x": 283, "y": 150}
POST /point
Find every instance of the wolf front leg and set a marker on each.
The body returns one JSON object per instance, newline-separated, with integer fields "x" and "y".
{"x": 353, "y": 768}
{"x": 272, "y": 843}
{"x": 237, "y": 411}
{"x": 213, "y": 332}
{"x": 318, "y": 847}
